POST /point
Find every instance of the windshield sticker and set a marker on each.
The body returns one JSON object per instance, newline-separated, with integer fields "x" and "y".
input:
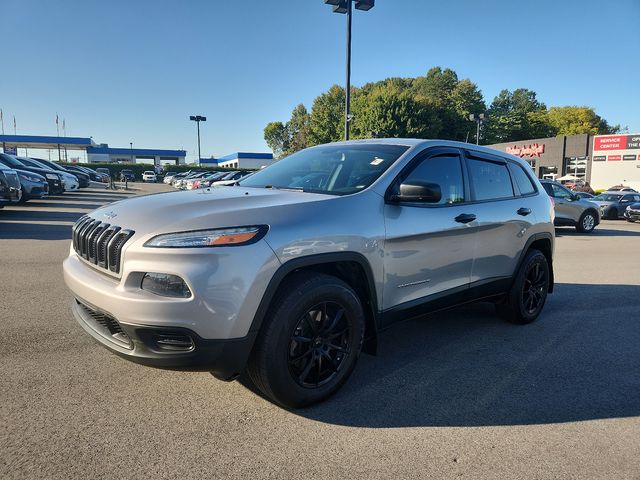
{"x": 377, "y": 161}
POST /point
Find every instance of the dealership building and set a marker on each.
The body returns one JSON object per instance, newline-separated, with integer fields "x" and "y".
{"x": 94, "y": 153}
{"x": 601, "y": 160}
{"x": 240, "y": 160}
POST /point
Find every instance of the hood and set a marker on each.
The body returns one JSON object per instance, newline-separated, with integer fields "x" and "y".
{"x": 199, "y": 209}
{"x": 602, "y": 203}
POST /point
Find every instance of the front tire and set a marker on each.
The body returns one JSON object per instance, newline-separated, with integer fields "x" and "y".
{"x": 309, "y": 342}
{"x": 587, "y": 223}
{"x": 527, "y": 296}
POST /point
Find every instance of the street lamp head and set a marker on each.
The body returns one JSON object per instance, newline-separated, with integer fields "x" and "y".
{"x": 341, "y": 6}
{"x": 192, "y": 117}
{"x": 365, "y": 5}
{"x": 198, "y": 118}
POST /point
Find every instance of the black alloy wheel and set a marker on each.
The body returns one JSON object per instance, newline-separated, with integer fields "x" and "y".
{"x": 526, "y": 298}
{"x": 309, "y": 341}
{"x": 319, "y": 345}
{"x": 534, "y": 288}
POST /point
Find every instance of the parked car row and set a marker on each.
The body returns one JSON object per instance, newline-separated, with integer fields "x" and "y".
{"x": 24, "y": 178}
{"x": 194, "y": 179}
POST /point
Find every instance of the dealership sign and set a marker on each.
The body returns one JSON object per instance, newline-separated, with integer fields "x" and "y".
{"x": 533, "y": 150}
{"x": 616, "y": 142}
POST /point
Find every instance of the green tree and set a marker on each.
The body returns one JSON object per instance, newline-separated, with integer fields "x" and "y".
{"x": 298, "y": 130}
{"x": 465, "y": 99}
{"x": 275, "y": 134}
{"x": 572, "y": 120}
{"x": 388, "y": 112}
{"x": 327, "y": 116}
{"x": 517, "y": 115}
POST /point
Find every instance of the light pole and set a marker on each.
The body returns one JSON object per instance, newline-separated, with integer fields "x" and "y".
{"x": 198, "y": 119}
{"x": 131, "y": 150}
{"x": 478, "y": 118}
{"x": 344, "y": 6}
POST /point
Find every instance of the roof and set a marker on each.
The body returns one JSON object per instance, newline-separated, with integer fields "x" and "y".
{"x": 137, "y": 151}
{"x": 37, "y": 141}
{"x": 233, "y": 156}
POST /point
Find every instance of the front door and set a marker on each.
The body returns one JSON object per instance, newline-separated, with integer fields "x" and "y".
{"x": 429, "y": 247}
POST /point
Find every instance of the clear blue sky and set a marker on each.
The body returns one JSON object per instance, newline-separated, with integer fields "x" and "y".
{"x": 134, "y": 70}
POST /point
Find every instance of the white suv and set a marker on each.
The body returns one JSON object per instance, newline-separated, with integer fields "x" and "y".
{"x": 149, "y": 176}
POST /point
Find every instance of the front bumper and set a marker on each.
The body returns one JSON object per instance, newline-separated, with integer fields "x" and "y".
{"x": 168, "y": 348}
{"x": 227, "y": 285}
{"x": 633, "y": 215}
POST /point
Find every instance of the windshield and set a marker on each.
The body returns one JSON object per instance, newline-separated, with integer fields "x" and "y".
{"x": 13, "y": 162}
{"x": 329, "y": 169}
{"x": 608, "y": 198}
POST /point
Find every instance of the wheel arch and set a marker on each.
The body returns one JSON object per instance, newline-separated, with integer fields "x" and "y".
{"x": 544, "y": 243}
{"x": 351, "y": 267}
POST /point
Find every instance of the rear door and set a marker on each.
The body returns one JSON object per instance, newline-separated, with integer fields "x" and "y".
{"x": 503, "y": 214}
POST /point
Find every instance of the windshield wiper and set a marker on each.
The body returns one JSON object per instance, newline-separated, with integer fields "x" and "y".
{"x": 286, "y": 189}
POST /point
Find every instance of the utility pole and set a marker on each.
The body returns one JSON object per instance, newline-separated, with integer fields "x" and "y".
{"x": 478, "y": 118}
{"x": 345, "y": 6}
{"x": 198, "y": 119}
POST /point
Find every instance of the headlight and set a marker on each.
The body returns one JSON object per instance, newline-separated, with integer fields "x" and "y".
{"x": 29, "y": 178}
{"x": 629, "y": 207}
{"x": 220, "y": 237}
{"x": 52, "y": 176}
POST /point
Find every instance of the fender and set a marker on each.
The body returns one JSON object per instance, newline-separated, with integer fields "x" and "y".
{"x": 313, "y": 260}
{"x": 533, "y": 238}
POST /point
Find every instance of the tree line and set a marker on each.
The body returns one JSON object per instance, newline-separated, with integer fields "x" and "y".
{"x": 436, "y": 105}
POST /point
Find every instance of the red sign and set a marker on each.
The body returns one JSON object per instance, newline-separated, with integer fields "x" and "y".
{"x": 533, "y": 150}
{"x": 613, "y": 158}
{"x": 618, "y": 142}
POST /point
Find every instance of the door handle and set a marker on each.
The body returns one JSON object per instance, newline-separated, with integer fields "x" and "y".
{"x": 524, "y": 211}
{"x": 465, "y": 218}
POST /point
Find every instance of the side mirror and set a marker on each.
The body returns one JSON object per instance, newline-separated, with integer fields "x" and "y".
{"x": 419, "y": 192}
{"x": 575, "y": 198}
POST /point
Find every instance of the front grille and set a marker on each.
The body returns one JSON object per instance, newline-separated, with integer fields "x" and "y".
{"x": 105, "y": 325}
{"x": 100, "y": 243}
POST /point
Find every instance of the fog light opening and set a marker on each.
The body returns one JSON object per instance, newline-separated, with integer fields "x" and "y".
{"x": 165, "y": 285}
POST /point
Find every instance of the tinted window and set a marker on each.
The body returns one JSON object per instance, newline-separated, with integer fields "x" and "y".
{"x": 561, "y": 192}
{"x": 490, "y": 180}
{"x": 522, "y": 180}
{"x": 444, "y": 170}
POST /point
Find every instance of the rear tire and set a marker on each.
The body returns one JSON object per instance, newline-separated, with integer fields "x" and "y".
{"x": 309, "y": 342}
{"x": 587, "y": 223}
{"x": 527, "y": 296}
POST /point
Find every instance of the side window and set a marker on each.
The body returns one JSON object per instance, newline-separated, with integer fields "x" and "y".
{"x": 490, "y": 180}
{"x": 522, "y": 180}
{"x": 444, "y": 170}
{"x": 561, "y": 192}
{"x": 627, "y": 198}
{"x": 548, "y": 189}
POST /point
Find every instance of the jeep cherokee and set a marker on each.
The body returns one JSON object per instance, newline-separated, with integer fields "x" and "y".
{"x": 291, "y": 279}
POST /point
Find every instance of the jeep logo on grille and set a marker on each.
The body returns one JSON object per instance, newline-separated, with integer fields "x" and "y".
{"x": 110, "y": 215}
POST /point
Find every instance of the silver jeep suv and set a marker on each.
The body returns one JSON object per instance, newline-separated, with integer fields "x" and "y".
{"x": 293, "y": 272}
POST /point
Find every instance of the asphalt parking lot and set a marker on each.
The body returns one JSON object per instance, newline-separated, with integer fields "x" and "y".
{"x": 459, "y": 394}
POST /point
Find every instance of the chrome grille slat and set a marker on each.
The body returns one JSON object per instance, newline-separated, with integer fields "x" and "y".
{"x": 100, "y": 243}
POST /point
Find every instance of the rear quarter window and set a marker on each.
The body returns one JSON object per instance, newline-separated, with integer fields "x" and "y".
{"x": 522, "y": 180}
